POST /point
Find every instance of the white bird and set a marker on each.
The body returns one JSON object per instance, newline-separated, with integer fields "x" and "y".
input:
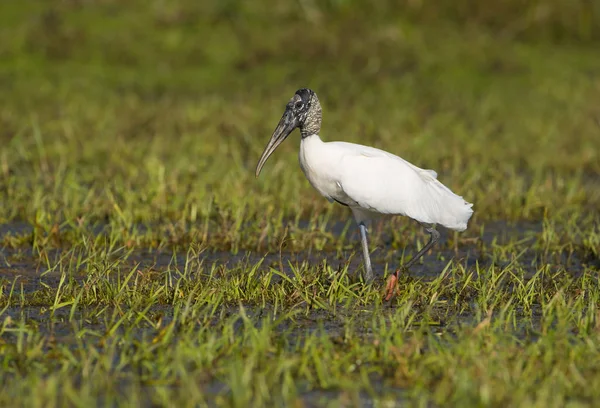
{"x": 368, "y": 180}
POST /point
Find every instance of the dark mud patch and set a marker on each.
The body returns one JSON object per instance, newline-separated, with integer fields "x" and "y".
{"x": 28, "y": 270}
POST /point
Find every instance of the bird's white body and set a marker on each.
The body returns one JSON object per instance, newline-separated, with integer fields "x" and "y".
{"x": 370, "y": 180}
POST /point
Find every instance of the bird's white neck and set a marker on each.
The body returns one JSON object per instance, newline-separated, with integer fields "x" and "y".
{"x": 312, "y": 140}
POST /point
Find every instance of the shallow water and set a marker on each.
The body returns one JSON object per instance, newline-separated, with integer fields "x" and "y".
{"x": 28, "y": 269}
{"x": 28, "y": 272}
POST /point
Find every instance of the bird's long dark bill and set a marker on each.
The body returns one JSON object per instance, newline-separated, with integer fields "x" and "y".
{"x": 286, "y": 125}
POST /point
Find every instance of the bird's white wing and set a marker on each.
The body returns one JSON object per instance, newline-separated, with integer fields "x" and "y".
{"x": 379, "y": 181}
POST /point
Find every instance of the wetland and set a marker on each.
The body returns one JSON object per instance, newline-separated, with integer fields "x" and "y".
{"x": 143, "y": 264}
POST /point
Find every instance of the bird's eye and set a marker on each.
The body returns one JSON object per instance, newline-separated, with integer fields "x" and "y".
{"x": 298, "y": 105}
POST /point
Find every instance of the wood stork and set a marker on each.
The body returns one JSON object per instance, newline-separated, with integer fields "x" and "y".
{"x": 368, "y": 180}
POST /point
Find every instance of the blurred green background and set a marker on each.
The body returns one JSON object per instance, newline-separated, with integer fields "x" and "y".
{"x": 156, "y": 111}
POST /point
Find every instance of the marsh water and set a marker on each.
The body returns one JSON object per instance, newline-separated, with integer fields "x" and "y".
{"x": 27, "y": 271}
{"x": 31, "y": 268}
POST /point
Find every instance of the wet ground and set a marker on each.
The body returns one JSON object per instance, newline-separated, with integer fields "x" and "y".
{"x": 27, "y": 271}
{"x": 29, "y": 268}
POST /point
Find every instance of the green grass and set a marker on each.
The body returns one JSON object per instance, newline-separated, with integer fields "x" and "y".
{"x": 141, "y": 262}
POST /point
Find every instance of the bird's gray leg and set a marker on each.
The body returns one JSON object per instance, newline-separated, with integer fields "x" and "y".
{"x": 434, "y": 236}
{"x": 368, "y": 276}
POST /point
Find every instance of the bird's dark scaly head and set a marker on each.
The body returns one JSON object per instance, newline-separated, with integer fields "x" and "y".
{"x": 302, "y": 111}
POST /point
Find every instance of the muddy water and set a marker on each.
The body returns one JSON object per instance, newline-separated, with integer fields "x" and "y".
{"x": 27, "y": 269}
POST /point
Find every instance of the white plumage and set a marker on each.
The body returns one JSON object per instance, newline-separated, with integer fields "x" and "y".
{"x": 368, "y": 180}
{"x": 374, "y": 180}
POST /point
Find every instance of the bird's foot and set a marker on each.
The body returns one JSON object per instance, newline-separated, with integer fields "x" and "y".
{"x": 391, "y": 286}
{"x": 368, "y": 276}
